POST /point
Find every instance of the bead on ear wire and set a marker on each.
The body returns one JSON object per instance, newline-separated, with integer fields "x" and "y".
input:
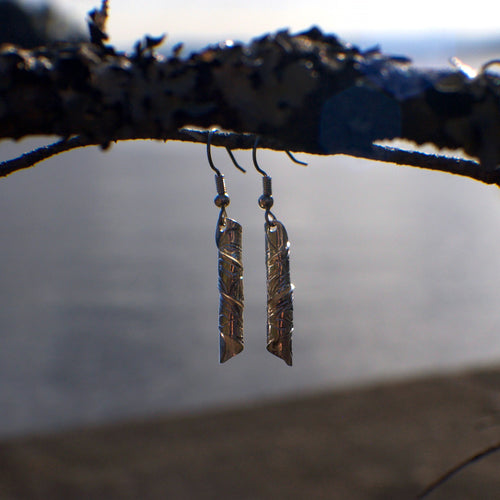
{"x": 228, "y": 238}
{"x": 279, "y": 286}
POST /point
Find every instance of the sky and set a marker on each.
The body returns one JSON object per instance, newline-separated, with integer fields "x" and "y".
{"x": 217, "y": 20}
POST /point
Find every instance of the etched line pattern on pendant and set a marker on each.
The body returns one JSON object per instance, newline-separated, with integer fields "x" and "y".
{"x": 279, "y": 292}
{"x": 230, "y": 289}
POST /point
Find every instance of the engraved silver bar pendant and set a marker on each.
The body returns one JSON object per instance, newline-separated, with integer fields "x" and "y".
{"x": 279, "y": 292}
{"x": 228, "y": 239}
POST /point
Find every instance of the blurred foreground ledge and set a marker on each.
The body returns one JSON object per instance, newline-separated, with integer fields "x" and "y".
{"x": 382, "y": 442}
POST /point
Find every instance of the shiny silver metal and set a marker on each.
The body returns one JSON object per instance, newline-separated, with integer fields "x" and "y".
{"x": 279, "y": 292}
{"x": 229, "y": 152}
{"x": 279, "y": 286}
{"x": 228, "y": 238}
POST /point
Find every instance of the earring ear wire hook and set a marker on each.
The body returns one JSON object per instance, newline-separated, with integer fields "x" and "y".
{"x": 254, "y": 158}
{"x": 290, "y": 155}
{"x": 228, "y": 237}
{"x": 209, "y": 154}
{"x": 229, "y": 152}
{"x": 233, "y": 159}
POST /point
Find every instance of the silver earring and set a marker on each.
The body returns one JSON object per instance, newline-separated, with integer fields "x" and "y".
{"x": 228, "y": 238}
{"x": 279, "y": 287}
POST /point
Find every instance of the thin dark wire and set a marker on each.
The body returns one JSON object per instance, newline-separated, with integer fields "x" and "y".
{"x": 295, "y": 159}
{"x": 455, "y": 470}
{"x": 229, "y": 152}
{"x": 209, "y": 154}
{"x": 233, "y": 159}
{"x": 254, "y": 157}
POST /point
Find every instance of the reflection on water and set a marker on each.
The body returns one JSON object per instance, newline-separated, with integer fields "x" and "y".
{"x": 109, "y": 280}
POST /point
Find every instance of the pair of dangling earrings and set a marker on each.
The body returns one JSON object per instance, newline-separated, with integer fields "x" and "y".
{"x": 228, "y": 237}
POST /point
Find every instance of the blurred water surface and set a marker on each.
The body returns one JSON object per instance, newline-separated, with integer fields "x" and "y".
{"x": 109, "y": 280}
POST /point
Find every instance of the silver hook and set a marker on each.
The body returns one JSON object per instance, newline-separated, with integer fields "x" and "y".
{"x": 295, "y": 159}
{"x": 266, "y": 200}
{"x": 229, "y": 152}
{"x": 233, "y": 159}
{"x": 254, "y": 157}
{"x": 209, "y": 154}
